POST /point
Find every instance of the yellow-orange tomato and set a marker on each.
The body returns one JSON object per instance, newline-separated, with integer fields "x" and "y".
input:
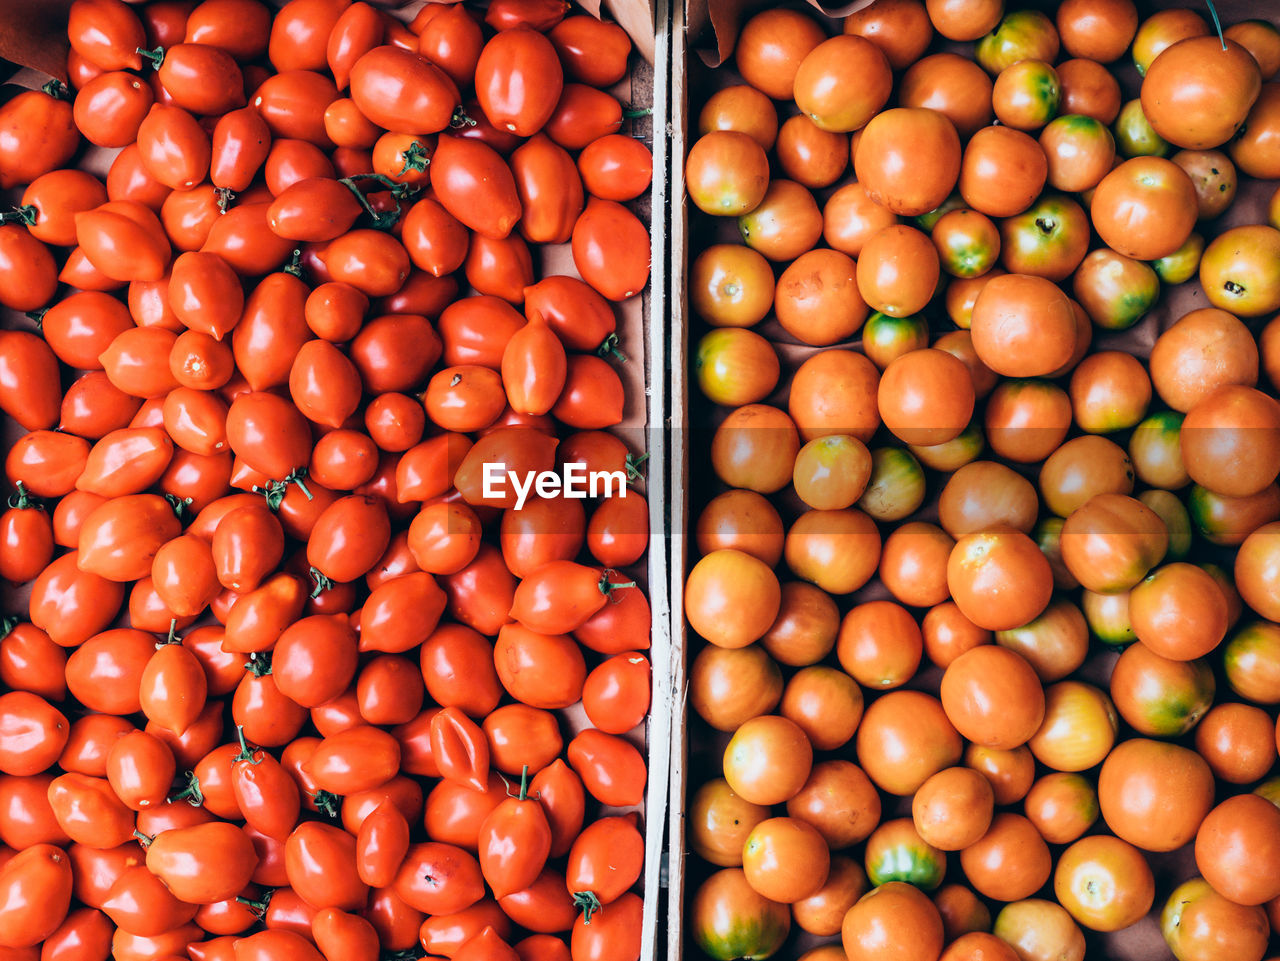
{"x": 1023, "y": 326}
{"x": 1040, "y": 931}
{"x": 872, "y": 929}
{"x": 1159, "y": 696}
{"x": 1199, "y": 924}
{"x": 826, "y": 703}
{"x": 719, "y": 822}
{"x": 1026, "y": 420}
{"x": 817, "y": 299}
{"x": 831, "y": 472}
{"x": 1214, "y": 177}
{"x": 768, "y": 760}
{"x": 962, "y": 911}
{"x": 771, "y": 47}
{"x": 755, "y": 447}
{"x": 1251, "y": 659}
{"x": 834, "y": 392}
{"x": 993, "y": 697}
{"x": 1098, "y": 29}
{"x": 1009, "y": 862}
{"x": 900, "y": 28}
{"x": 785, "y": 859}
{"x": 1026, "y": 94}
{"x": 840, "y": 801}
{"x": 836, "y": 550}
{"x": 1089, "y": 90}
{"x": 999, "y": 579}
{"x": 968, "y": 243}
{"x": 742, "y": 108}
{"x": 1003, "y": 170}
{"x": 785, "y": 224}
{"x": 1062, "y": 806}
{"x": 1179, "y": 612}
{"x": 1154, "y": 795}
{"x": 1010, "y": 773}
{"x": 742, "y": 520}
{"x": 735, "y": 366}
{"x": 964, "y": 19}
{"x": 948, "y": 633}
{"x": 1254, "y": 148}
{"x": 730, "y": 685}
{"x": 1237, "y": 847}
{"x": 1079, "y": 151}
{"x": 1104, "y": 882}
{"x": 823, "y": 912}
{"x": 727, "y": 173}
{"x": 806, "y": 627}
{"x": 913, "y": 563}
{"x": 1110, "y": 391}
{"x": 1054, "y": 644}
{"x": 904, "y": 739}
{"x": 953, "y": 808}
{"x": 731, "y": 598}
{"x": 1240, "y": 270}
{"x": 1202, "y": 351}
{"x": 731, "y": 285}
{"x": 1079, "y": 727}
{"x": 810, "y": 155}
{"x": 898, "y": 271}
{"x": 1082, "y": 468}
{"x": 1262, "y": 40}
{"x": 926, "y": 397}
{"x": 1146, "y": 208}
{"x": 1198, "y": 91}
{"x": 955, "y": 87}
{"x": 1111, "y": 541}
{"x": 842, "y": 83}
{"x": 850, "y": 218}
{"x": 879, "y": 645}
{"x": 908, "y": 159}
{"x": 1238, "y": 742}
{"x": 983, "y": 495}
{"x": 1257, "y": 570}
{"x": 1163, "y": 29}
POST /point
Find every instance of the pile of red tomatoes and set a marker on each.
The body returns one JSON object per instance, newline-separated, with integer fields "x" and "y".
{"x": 984, "y": 608}
{"x": 284, "y": 679}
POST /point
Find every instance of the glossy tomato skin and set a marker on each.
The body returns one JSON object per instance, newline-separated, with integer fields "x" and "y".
{"x": 37, "y": 135}
{"x": 611, "y": 249}
{"x": 37, "y": 886}
{"x": 506, "y": 87}
{"x": 402, "y": 91}
{"x": 475, "y": 185}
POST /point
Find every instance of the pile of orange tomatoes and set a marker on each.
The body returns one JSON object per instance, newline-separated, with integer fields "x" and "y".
{"x": 987, "y": 582}
{"x": 286, "y": 678}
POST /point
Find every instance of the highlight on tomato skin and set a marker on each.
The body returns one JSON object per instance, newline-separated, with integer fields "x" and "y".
{"x": 983, "y": 482}
{"x": 280, "y": 675}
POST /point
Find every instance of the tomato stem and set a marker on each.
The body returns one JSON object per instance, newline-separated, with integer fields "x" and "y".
{"x": 415, "y": 158}
{"x": 257, "y": 908}
{"x": 327, "y": 803}
{"x": 460, "y": 118}
{"x": 172, "y": 637}
{"x": 24, "y": 500}
{"x": 1217, "y": 24}
{"x": 57, "y": 90}
{"x": 156, "y": 56}
{"x": 246, "y": 754}
{"x": 607, "y": 587}
{"x": 609, "y": 348}
{"x": 38, "y": 316}
{"x": 386, "y": 219}
{"x": 294, "y": 266}
{"x": 259, "y": 663}
{"x": 633, "y": 465}
{"x": 225, "y": 196}
{"x": 323, "y": 583}
{"x": 179, "y": 504}
{"x": 144, "y": 839}
{"x": 637, "y": 112}
{"x": 190, "y": 793}
{"x": 8, "y": 623}
{"x": 588, "y": 902}
{"x": 27, "y": 214}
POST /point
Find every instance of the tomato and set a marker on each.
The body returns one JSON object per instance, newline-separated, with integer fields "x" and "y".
{"x": 86, "y": 933}
{"x": 28, "y": 275}
{"x": 502, "y": 80}
{"x": 592, "y": 51}
{"x": 37, "y": 134}
{"x": 616, "y": 167}
{"x": 1154, "y": 795}
{"x": 1197, "y": 921}
{"x": 402, "y": 91}
{"x": 36, "y": 885}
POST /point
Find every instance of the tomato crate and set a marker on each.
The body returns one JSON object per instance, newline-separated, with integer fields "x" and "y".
{"x": 704, "y": 36}
{"x": 33, "y": 43}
